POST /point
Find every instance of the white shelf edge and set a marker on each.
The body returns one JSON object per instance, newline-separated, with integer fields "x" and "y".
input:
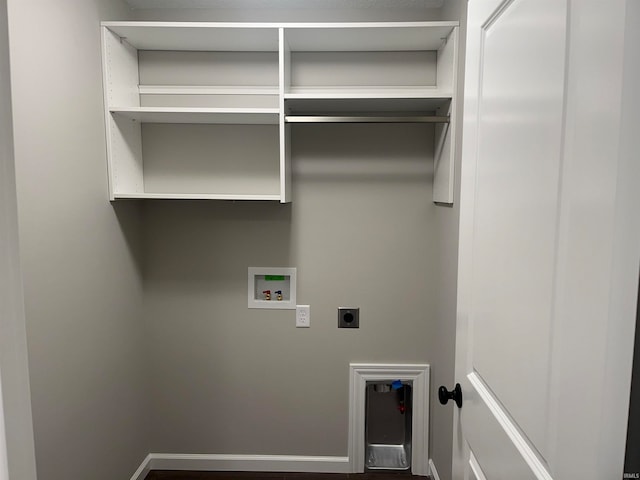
{"x": 206, "y": 90}
{"x": 193, "y": 196}
{"x": 365, "y": 92}
{"x": 274, "y": 111}
{"x": 346, "y": 25}
{"x": 257, "y": 116}
{"x": 293, "y": 93}
{"x": 275, "y": 25}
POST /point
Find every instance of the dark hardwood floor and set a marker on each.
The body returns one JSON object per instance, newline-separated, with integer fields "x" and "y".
{"x": 184, "y": 475}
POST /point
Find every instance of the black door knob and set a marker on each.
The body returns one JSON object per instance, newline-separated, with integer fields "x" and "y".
{"x": 456, "y": 395}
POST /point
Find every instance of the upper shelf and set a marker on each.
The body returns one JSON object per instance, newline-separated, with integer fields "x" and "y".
{"x": 197, "y": 36}
{"x": 368, "y": 37}
{"x": 264, "y": 37}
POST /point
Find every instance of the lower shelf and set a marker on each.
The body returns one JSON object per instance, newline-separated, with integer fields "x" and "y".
{"x": 227, "y": 116}
{"x": 194, "y": 196}
{"x": 195, "y": 161}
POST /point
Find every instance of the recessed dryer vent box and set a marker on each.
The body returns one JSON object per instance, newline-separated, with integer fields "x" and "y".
{"x": 272, "y": 288}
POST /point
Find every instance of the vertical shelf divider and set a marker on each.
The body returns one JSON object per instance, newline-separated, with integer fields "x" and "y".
{"x": 284, "y": 84}
{"x": 124, "y": 146}
{"x": 445, "y": 134}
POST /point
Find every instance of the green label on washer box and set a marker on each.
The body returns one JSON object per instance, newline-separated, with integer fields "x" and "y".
{"x": 274, "y": 278}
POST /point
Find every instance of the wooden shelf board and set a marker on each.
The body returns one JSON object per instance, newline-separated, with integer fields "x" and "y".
{"x": 199, "y": 115}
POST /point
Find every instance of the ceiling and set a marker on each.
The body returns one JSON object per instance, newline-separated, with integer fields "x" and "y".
{"x": 286, "y": 4}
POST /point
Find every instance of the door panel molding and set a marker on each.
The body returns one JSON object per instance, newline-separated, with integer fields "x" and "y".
{"x": 475, "y": 470}
{"x": 490, "y": 437}
{"x": 519, "y": 159}
{"x": 523, "y": 445}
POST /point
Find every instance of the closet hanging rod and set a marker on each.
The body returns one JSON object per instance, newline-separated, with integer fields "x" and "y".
{"x": 365, "y": 119}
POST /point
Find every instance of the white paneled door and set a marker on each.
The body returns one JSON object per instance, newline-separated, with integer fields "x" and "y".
{"x": 544, "y": 336}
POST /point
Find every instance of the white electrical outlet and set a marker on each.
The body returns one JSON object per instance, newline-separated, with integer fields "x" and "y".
{"x": 303, "y": 316}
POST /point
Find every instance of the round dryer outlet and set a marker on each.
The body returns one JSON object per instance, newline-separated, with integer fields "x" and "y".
{"x": 348, "y": 317}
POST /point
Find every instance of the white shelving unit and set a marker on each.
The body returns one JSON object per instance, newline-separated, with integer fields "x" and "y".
{"x": 204, "y": 110}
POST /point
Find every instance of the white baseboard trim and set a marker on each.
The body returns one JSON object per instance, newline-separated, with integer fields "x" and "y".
{"x": 242, "y": 463}
{"x": 432, "y": 469}
{"x": 417, "y": 374}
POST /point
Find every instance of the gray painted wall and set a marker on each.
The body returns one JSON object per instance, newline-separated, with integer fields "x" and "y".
{"x": 82, "y": 282}
{"x": 361, "y": 231}
{"x": 17, "y": 457}
{"x": 303, "y": 12}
